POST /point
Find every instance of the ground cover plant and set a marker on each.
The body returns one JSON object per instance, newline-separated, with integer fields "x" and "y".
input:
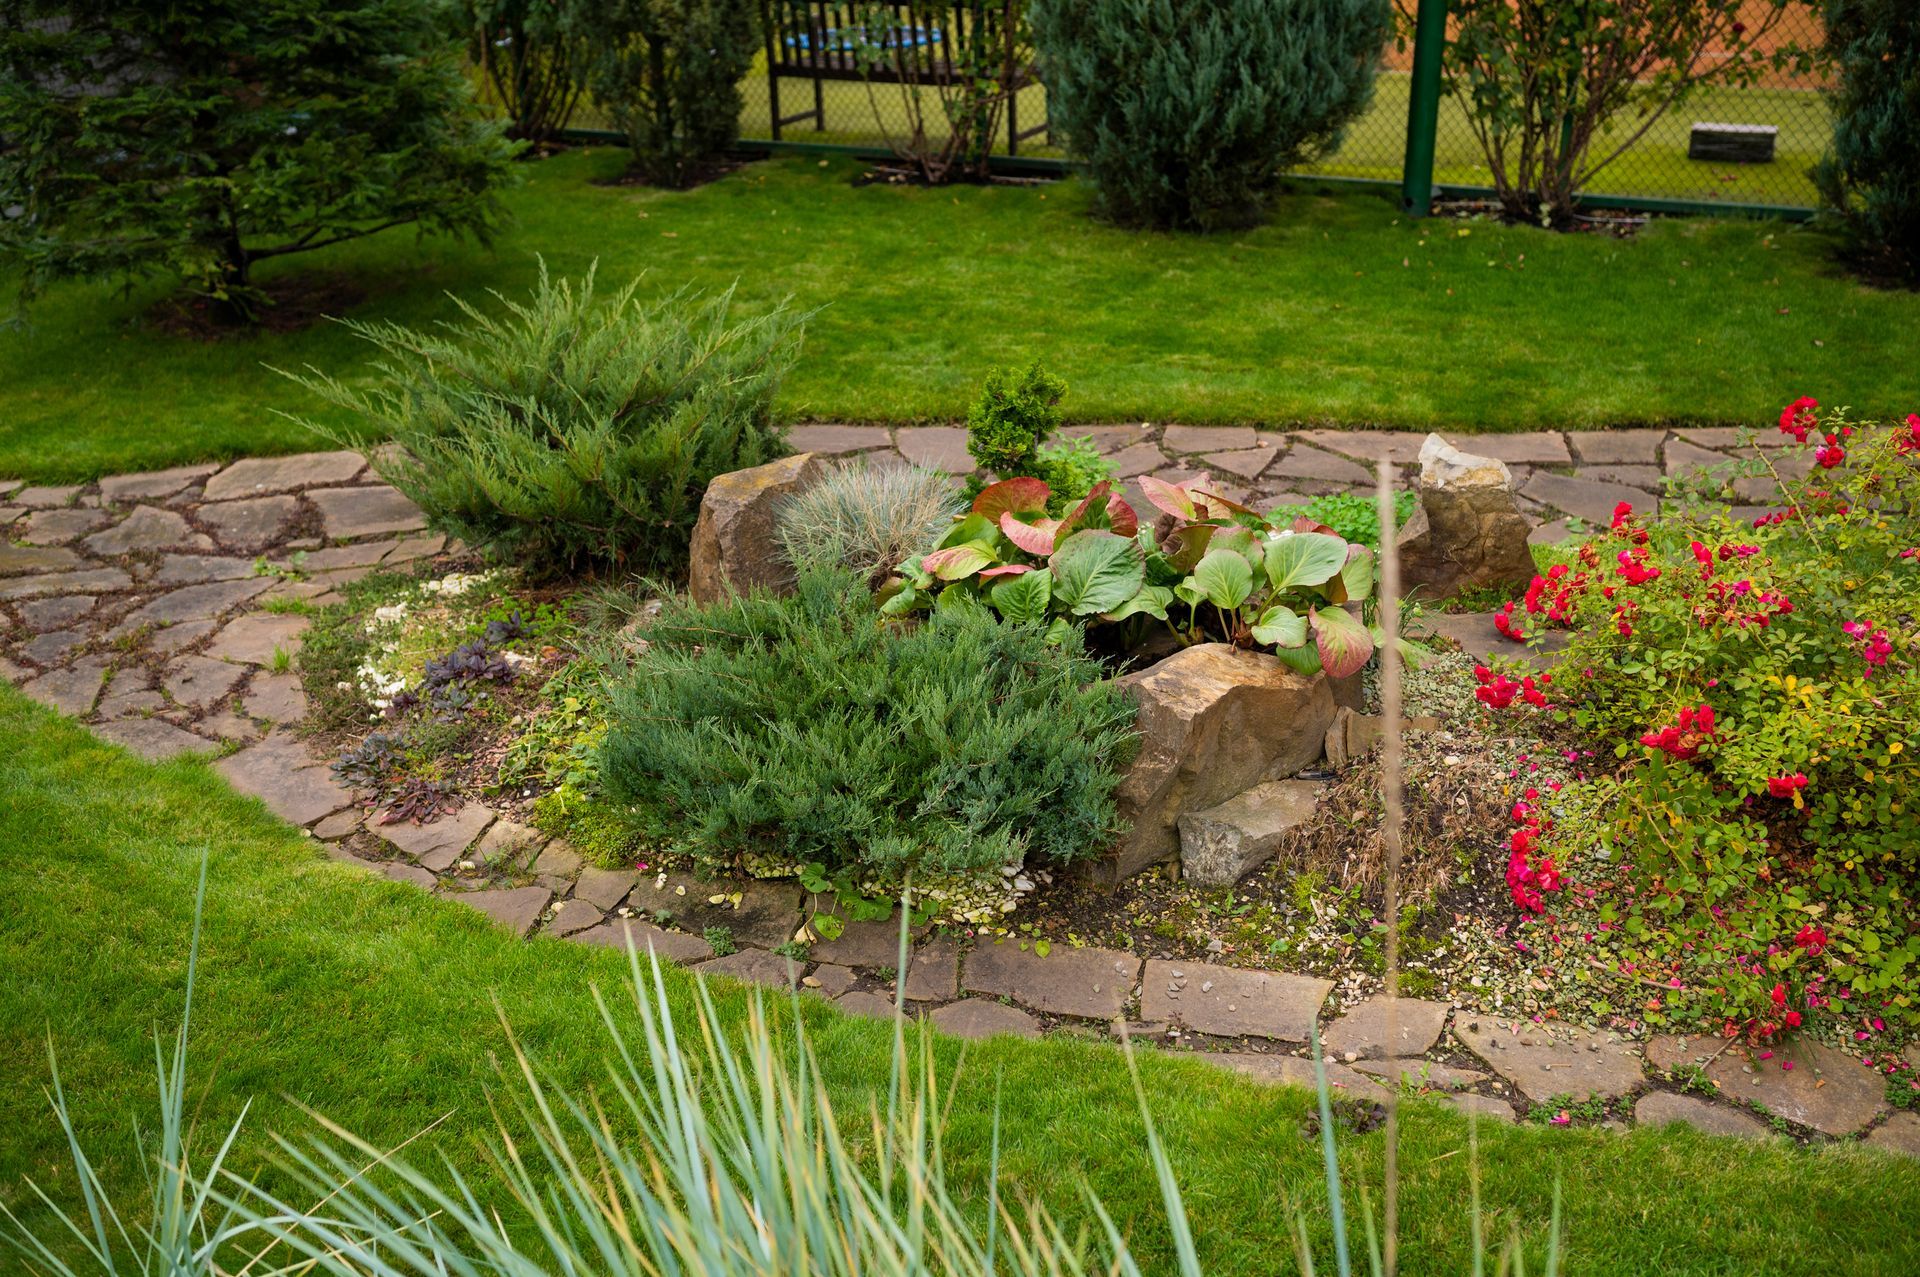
{"x": 1699, "y": 321}
{"x": 182, "y": 161}
{"x": 866, "y": 518}
{"x": 572, "y": 432}
{"x": 1185, "y": 115}
{"x": 383, "y": 1022}
{"x": 1748, "y": 843}
{"x": 786, "y": 733}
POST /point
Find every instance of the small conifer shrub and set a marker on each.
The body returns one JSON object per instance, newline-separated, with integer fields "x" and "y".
{"x": 1871, "y": 179}
{"x": 1010, "y": 430}
{"x": 810, "y": 730}
{"x": 571, "y": 433}
{"x": 1186, "y": 112}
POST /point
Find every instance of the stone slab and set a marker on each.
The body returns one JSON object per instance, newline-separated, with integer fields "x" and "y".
{"x": 574, "y": 915}
{"x": 831, "y": 979}
{"x": 1585, "y": 499}
{"x": 71, "y": 690}
{"x": 19, "y": 560}
{"x": 41, "y": 497}
{"x": 53, "y": 613}
{"x": 1662, "y": 1107}
{"x": 766, "y": 914}
{"x": 153, "y": 739}
{"x": 508, "y": 841}
{"x": 515, "y": 908}
{"x": 195, "y": 569}
{"x": 1181, "y": 439}
{"x": 147, "y": 528}
{"x": 933, "y": 973}
{"x": 195, "y": 602}
{"x": 835, "y": 441}
{"x": 1804, "y": 1082}
{"x": 936, "y": 448}
{"x": 1094, "y": 983}
{"x": 151, "y": 485}
{"x": 90, "y": 581}
{"x": 276, "y": 697}
{"x": 279, "y": 772}
{"x": 253, "y": 639}
{"x": 1543, "y": 1064}
{"x": 1487, "y": 1106}
{"x": 1422, "y": 1074}
{"x": 50, "y": 527}
{"x": 439, "y": 844}
{"x": 1361, "y": 1031}
{"x": 1534, "y": 448}
{"x": 250, "y": 522}
{"x": 978, "y": 1018}
{"x": 864, "y": 944}
{"x": 1231, "y": 1002}
{"x": 1291, "y": 1070}
{"x": 228, "y": 725}
{"x": 346, "y": 513}
{"x": 1898, "y": 1134}
{"x": 257, "y": 475}
{"x": 1303, "y": 463}
{"x": 672, "y": 946}
{"x": 200, "y": 681}
{"x": 50, "y": 648}
{"x": 755, "y": 966}
{"x": 411, "y": 874}
{"x": 1617, "y": 447}
{"x": 338, "y": 825}
{"x": 606, "y": 888}
{"x": 862, "y": 1003}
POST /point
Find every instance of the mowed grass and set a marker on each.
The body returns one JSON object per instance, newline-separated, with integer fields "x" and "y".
{"x": 375, "y": 1005}
{"x": 1339, "y": 312}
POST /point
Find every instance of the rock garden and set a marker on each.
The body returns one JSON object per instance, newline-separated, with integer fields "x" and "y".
{"x": 1033, "y": 730}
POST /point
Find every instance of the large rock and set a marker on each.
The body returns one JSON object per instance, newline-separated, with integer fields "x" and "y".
{"x": 1220, "y": 845}
{"x": 733, "y": 542}
{"x": 1467, "y": 531}
{"x": 1215, "y": 721}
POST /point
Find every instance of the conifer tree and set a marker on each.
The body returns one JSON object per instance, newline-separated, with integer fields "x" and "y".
{"x": 1871, "y": 180}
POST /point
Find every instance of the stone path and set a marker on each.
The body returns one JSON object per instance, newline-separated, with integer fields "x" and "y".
{"x": 152, "y": 607}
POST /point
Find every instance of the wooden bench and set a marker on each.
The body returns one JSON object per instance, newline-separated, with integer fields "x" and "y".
{"x": 822, "y": 40}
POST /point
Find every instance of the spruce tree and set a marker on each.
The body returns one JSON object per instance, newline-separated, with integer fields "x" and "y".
{"x": 1186, "y": 112}
{"x": 201, "y": 137}
{"x": 1871, "y": 181}
{"x": 669, "y": 74}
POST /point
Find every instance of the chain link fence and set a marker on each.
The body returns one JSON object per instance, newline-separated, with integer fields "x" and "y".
{"x": 801, "y": 92}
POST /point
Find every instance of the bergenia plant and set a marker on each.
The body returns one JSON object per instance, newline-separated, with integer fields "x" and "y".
{"x": 1211, "y": 569}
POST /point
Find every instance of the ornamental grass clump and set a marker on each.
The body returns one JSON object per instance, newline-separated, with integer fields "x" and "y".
{"x": 866, "y": 518}
{"x": 571, "y": 432}
{"x": 810, "y": 731}
{"x": 1756, "y": 682}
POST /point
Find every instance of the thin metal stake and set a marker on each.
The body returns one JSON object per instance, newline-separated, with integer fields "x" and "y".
{"x": 1391, "y": 769}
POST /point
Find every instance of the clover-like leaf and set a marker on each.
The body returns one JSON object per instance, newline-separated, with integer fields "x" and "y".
{"x": 1096, "y": 571}
{"x": 1342, "y": 641}
{"x": 1225, "y": 578}
{"x": 1304, "y": 558}
{"x": 1021, "y": 495}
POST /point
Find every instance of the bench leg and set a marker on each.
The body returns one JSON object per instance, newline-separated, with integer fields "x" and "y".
{"x": 1013, "y": 123}
{"x": 773, "y": 99}
{"x": 819, "y": 107}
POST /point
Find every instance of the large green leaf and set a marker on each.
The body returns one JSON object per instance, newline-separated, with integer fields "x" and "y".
{"x": 1224, "y": 577}
{"x": 1096, "y": 571}
{"x": 1304, "y": 659}
{"x": 1280, "y": 627}
{"x": 975, "y": 527}
{"x": 1355, "y": 578}
{"x": 1022, "y": 598}
{"x": 1021, "y": 495}
{"x": 1151, "y": 601}
{"x": 1343, "y": 642}
{"x": 958, "y": 562}
{"x": 1304, "y": 558}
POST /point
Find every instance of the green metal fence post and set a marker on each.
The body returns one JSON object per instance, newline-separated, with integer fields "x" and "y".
{"x": 1423, "y": 107}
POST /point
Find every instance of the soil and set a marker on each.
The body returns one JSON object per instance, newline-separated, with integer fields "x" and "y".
{"x": 291, "y": 303}
{"x": 707, "y": 171}
{"x": 901, "y": 175}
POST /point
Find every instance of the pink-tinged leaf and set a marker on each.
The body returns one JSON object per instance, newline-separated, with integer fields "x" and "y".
{"x": 1302, "y": 523}
{"x": 1077, "y": 518}
{"x": 1219, "y": 507}
{"x": 1343, "y": 643}
{"x": 1121, "y": 516}
{"x": 1188, "y": 545}
{"x": 1034, "y": 538}
{"x": 956, "y": 562}
{"x": 1024, "y": 495}
{"x": 1169, "y": 497}
{"x": 1008, "y": 569}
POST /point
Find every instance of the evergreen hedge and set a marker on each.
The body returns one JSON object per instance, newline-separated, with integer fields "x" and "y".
{"x": 571, "y": 433}
{"x": 1871, "y": 180}
{"x": 810, "y": 730}
{"x": 1186, "y": 112}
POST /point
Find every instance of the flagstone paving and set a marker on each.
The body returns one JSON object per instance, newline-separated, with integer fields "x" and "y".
{"x": 139, "y": 605}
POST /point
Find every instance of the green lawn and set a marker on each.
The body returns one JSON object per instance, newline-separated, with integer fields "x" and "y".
{"x": 1311, "y": 319}
{"x": 373, "y": 1004}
